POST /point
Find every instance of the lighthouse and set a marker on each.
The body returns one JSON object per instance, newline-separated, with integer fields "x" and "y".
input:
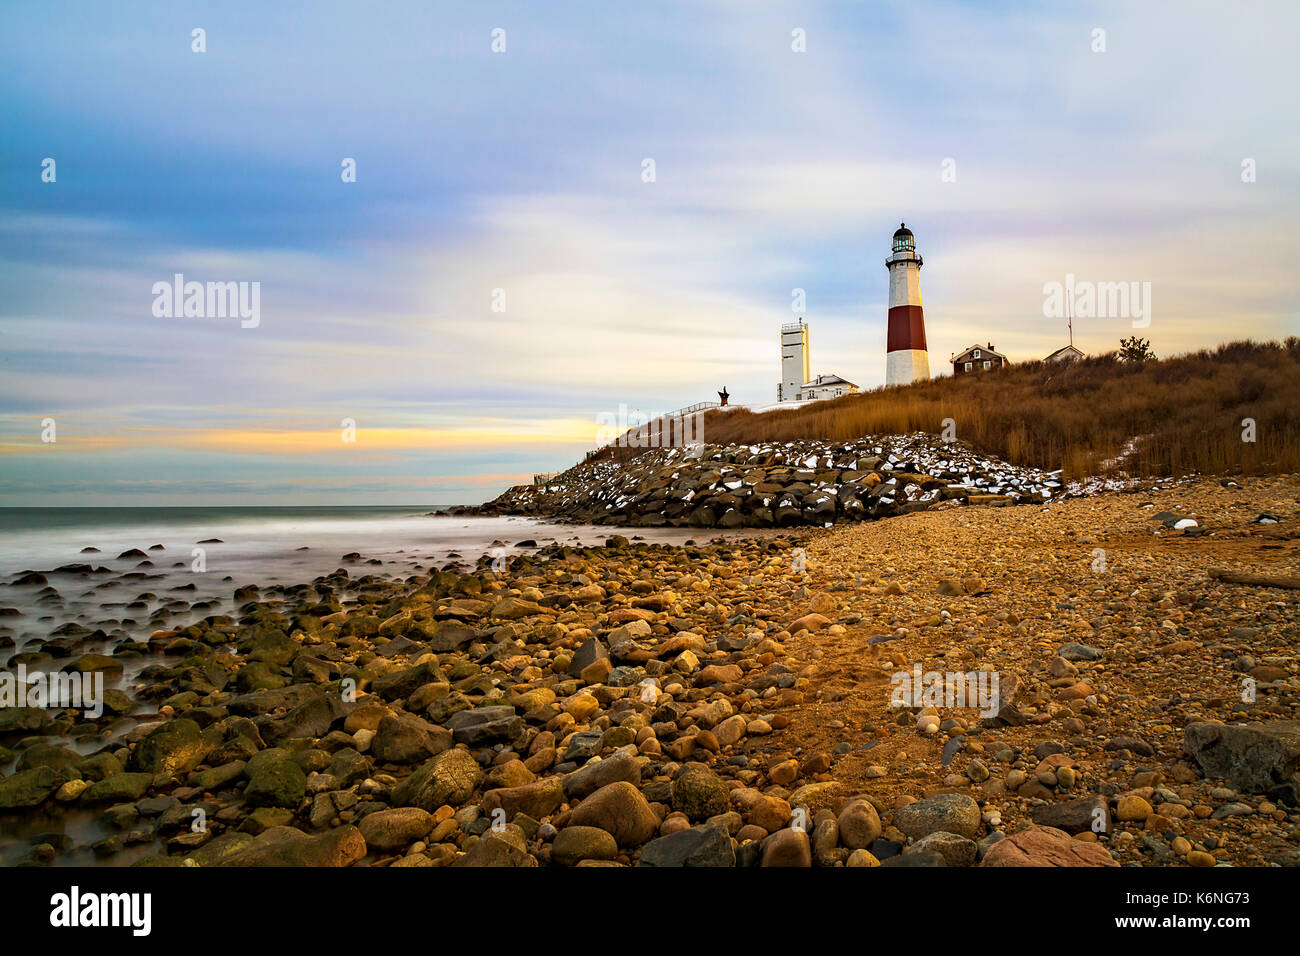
{"x": 907, "y": 359}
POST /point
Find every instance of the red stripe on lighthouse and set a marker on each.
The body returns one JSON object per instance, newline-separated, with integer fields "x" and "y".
{"x": 906, "y": 328}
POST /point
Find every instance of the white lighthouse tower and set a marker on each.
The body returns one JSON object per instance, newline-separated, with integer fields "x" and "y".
{"x": 907, "y": 359}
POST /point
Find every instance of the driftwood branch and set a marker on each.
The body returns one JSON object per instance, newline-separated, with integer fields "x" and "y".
{"x": 1256, "y": 580}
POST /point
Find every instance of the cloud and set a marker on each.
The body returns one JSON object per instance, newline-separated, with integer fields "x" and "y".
{"x": 775, "y": 171}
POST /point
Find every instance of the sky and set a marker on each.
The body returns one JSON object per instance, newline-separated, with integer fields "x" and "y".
{"x": 611, "y": 210}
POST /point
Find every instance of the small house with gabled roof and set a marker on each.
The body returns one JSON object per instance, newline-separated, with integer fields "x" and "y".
{"x": 1066, "y": 353}
{"x": 978, "y": 358}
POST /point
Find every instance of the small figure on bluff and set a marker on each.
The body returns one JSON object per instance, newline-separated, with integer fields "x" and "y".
{"x": 907, "y": 359}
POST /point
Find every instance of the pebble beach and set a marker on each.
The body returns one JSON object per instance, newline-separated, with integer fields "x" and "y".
{"x": 712, "y": 701}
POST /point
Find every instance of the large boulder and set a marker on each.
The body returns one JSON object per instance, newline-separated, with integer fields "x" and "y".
{"x": 699, "y": 792}
{"x": 311, "y": 718}
{"x": 276, "y": 783}
{"x": 481, "y": 725}
{"x": 449, "y": 778}
{"x": 404, "y": 683}
{"x": 1258, "y": 758}
{"x": 950, "y": 812}
{"x": 601, "y": 773}
{"x": 538, "y": 799}
{"x": 27, "y": 788}
{"x": 395, "y": 828}
{"x": 119, "y": 788}
{"x": 261, "y": 702}
{"x": 23, "y": 719}
{"x": 405, "y": 738}
{"x": 1076, "y": 816}
{"x": 512, "y": 609}
{"x": 705, "y": 845}
{"x": 47, "y": 754}
{"x": 619, "y": 809}
{"x": 286, "y": 846}
{"x": 955, "y": 850}
{"x": 787, "y": 848}
{"x": 496, "y": 850}
{"x": 591, "y": 650}
{"x": 1045, "y": 846}
{"x": 450, "y": 636}
{"x": 270, "y": 645}
{"x": 174, "y": 748}
{"x": 574, "y": 844}
{"x": 858, "y": 824}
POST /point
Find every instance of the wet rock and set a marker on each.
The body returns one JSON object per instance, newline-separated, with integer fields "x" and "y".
{"x": 312, "y": 718}
{"x": 173, "y": 749}
{"x": 286, "y": 846}
{"x": 405, "y": 738}
{"x": 588, "y": 653}
{"x": 599, "y": 773}
{"x": 396, "y": 828}
{"x": 787, "y": 848}
{"x": 451, "y": 777}
{"x": 621, "y": 810}
{"x": 23, "y": 719}
{"x": 484, "y": 725}
{"x": 450, "y": 636}
{"x": 1255, "y": 758}
{"x": 119, "y": 788}
{"x": 28, "y": 788}
{"x": 276, "y": 783}
{"x": 406, "y": 682}
{"x": 576, "y": 843}
{"x": 43, "y": 754}
{"x": 538, "y": 799}
{"x": 493, "y": 851}
{"x": 699, "y": 792}
{"x": 705, "y": 845}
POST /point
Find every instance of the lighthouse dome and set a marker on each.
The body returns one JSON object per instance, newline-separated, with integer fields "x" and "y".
{"x": 903, "y": 239}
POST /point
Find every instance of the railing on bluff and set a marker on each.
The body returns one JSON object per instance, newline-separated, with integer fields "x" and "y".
{"x": 697, "y": 407}
{"x": 650, "y": 427}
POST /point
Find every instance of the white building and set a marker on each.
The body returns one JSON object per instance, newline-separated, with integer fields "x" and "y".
{"x": 827, "y": 386}
{"x": 796, "y": 343}
{"x": 797, "y": 385}
{"x": 1066, "y": 353}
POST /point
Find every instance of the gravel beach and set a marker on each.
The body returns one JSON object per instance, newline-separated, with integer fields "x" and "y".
{"x": 721, "y": 703}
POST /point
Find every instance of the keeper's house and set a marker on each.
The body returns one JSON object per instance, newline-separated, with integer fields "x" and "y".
{"x": 977, "y": 358}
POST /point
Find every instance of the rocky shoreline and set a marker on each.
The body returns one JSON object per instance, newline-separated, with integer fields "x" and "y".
{"x": 721, "y": 704}
{"x": 779, "y": 485}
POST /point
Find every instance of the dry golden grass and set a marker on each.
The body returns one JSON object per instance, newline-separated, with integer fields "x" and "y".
{"x": 1187, "y": 412}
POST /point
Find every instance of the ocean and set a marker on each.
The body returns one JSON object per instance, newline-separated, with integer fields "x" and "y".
{"x": 206, "y": 553}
